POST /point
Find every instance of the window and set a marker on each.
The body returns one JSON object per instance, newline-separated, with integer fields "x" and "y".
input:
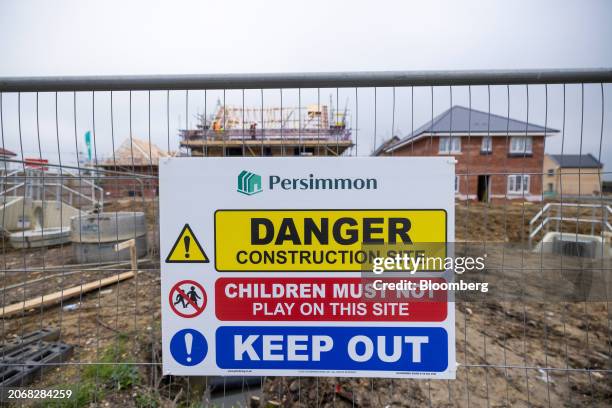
{"x": 551, "y": 172}
{"x": 233, "y": 151}
{"x": 520, "y": 145}
{"x": 456, "y": 184}
{"x": 518, "y": 184}
{"x": 487, "y": 145}
{"x": 450, "y": 145}
{"x": 550, "y": 187}
{"x": 303, "y": 151}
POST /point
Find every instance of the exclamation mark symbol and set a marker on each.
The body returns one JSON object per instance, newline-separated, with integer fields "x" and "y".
{"x": 187, "y": 241}
{"x": 188, "y": 344}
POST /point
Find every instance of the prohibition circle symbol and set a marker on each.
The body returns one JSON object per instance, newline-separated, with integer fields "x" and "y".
{"x": 181, "y": 296}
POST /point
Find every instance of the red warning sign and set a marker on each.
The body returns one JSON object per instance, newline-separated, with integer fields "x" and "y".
{"x": 328, "y": 299}
{"x": 187, "y": 298}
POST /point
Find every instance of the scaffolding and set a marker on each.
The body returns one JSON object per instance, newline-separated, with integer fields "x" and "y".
{"x": 314, "y": 130}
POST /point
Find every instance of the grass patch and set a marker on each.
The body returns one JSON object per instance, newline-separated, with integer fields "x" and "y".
{"x": 147, "y": 400}
{"x": 113, "y": 373}
{"x": 110, "y": 373}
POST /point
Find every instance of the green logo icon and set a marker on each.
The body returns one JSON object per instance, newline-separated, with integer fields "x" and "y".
{"x": 249, "y": 183}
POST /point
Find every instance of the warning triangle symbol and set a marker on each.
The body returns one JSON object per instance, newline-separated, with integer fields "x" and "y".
{"x": 187, "y": 249}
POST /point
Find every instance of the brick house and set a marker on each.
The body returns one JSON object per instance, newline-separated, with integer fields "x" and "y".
{"x": 497, "y": 158}
{"x": 572, "y": 175}
{"x": 132, "y": 170}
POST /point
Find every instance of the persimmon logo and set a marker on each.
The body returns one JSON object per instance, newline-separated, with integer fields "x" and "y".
{"x": 249, "y": 183}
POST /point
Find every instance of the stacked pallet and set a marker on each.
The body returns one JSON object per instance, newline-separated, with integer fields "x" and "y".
{"x": 27, "y": 357}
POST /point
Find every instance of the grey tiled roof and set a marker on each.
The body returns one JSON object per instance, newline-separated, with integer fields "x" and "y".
{"x": 576, "y": 161}
{"x": 384, "y": 145}
{"x": 466, "y": 120}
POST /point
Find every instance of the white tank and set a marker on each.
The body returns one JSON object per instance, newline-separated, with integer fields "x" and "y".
{"x": 94, "y": 236}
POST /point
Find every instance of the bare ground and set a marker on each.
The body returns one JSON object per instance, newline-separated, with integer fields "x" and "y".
{"x": 512, "y": 352}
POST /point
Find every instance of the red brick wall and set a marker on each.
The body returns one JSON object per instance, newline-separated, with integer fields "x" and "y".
{"x": 497, "y": 164}
{"x": 124, "y": 189}
{"x": 142, "y": 180}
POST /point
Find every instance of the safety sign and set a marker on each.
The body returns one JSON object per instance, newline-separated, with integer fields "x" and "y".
{"x": 187, "y": 298}
{"x": 187, "y": 249}
{"x": 326, "y": 299}
{"x": 188, "y": 347}
{"x": 318, "y": 240}
{"x": 333, "y": 348}
{"x": 267, "y": 266}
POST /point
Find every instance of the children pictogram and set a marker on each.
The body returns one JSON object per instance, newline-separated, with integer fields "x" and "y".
{"x": 187, "y": 298}
{"x": 187, "y": 249}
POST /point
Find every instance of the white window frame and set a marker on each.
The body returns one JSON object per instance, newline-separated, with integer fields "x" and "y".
{"x": 450, "y": 145}
{"x": 524, "y": 186}
{"x": 521, "y": 145}
{"x": 487, "y": 144}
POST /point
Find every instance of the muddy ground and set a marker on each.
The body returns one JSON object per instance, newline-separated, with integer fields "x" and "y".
{"x": 535, "y": 350}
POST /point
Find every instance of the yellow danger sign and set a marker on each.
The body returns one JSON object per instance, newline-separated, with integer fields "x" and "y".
{"x": 187, "y": 249}
{"x": 323, "y": 240}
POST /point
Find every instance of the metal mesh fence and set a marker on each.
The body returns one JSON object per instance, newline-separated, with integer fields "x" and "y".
{"x": 79, "y": 175}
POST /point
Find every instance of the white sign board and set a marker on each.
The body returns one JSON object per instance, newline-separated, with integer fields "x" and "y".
{"x": 262, "y": 262}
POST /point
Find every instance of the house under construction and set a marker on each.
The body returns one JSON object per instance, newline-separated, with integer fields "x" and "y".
{"x": 289, "y": 131}
{"x": 134, "y": 157}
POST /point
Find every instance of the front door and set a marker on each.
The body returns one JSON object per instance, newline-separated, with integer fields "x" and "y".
{"x": 483, "y": 188}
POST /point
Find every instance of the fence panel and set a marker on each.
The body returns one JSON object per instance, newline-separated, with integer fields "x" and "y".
{"x": 78, "y": 175}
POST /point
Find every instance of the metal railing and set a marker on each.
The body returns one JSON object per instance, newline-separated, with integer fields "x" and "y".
{"x": 304, "y": 80}
{"x": 599, "y": 215}
{"x": 35, "y": 186}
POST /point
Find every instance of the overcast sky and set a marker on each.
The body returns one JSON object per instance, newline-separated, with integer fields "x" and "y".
{"x": 230, "y": 36}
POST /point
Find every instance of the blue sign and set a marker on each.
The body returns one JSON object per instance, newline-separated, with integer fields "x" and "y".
{"x": 188, "y": 347}
{"x": 399, "y": 349}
